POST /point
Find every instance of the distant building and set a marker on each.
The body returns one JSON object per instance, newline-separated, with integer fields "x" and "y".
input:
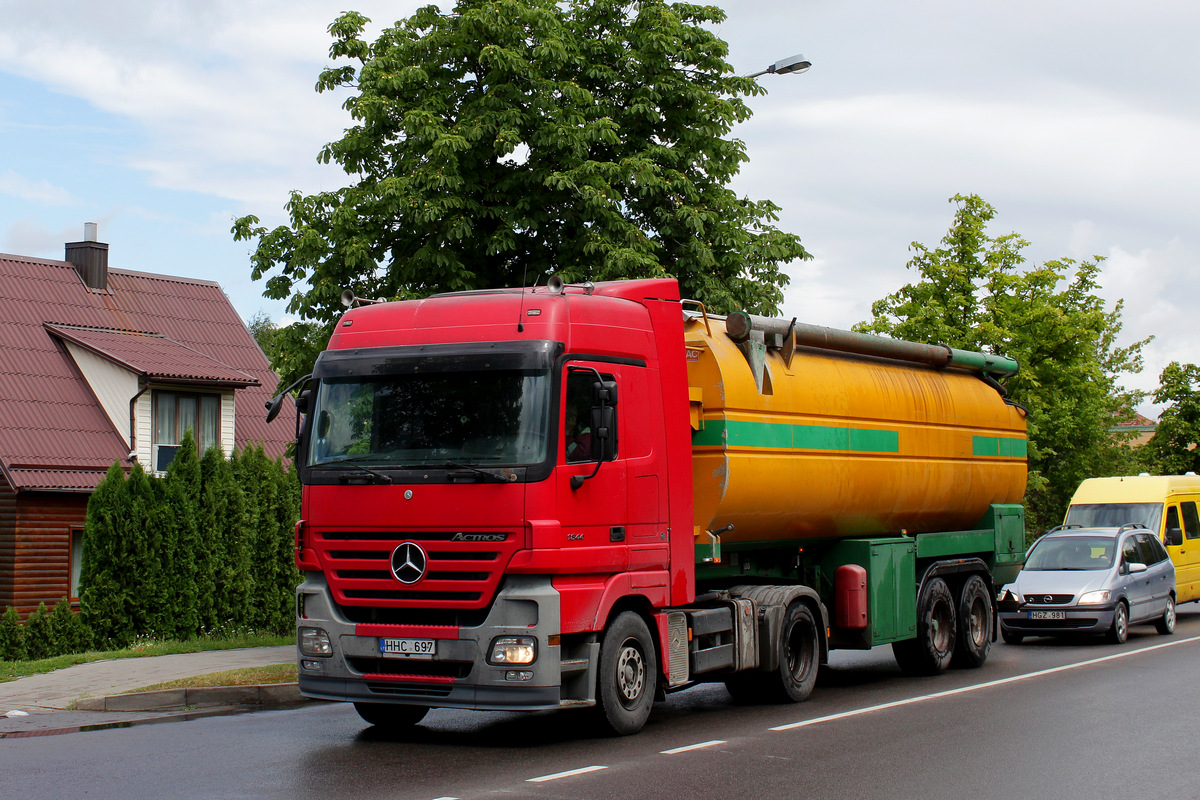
{"x": 100, "y": 365}
{"x": 1143, "y": 428}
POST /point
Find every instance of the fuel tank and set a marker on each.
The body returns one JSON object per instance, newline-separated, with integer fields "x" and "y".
{"x": 797, "y": 437}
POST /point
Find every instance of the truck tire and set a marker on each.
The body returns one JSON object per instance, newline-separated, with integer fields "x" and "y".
{"x": 931, "y": 651}
{"x": 799, "y": 657}
{"x": 628, "y": 674}
{"x": 1166, "y": 623}
{"x": 974, "y": 624}
{"x": 1119, "y": 631}
{"x": 391, "y": 715}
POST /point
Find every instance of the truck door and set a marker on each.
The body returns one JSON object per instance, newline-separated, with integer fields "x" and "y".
{"x": 593, "y": 516}
{"x": 1184, "y": 549}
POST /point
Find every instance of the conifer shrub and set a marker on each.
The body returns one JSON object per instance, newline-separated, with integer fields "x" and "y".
{"x": 40, "y": 641}
{"x": 70, "y": 633}
{"x": 12, "y": 636}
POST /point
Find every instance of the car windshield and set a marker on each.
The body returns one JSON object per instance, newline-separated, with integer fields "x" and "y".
{"x": 494, "y": 417}
{"x": 1114, "y": 515}
{"x": 1071, "y": 553}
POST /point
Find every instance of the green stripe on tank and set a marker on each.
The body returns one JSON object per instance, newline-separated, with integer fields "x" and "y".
{"x": 999, "y": 447}
{"x": 739, "y": 433}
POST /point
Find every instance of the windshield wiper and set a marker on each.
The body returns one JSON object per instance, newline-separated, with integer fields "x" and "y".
{"x": 499, "y": 477}
{"x": 362, "y": 471}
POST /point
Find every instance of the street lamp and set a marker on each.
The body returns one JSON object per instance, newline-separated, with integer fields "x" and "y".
{"x": 784, "y": 66}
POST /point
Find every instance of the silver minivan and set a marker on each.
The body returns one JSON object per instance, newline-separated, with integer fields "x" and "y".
{"x": 1090, "y": 580}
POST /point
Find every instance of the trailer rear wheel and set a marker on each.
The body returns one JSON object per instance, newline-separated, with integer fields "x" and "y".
{"x": 974, "y": 624}
{"x": 628, "y": 674}
{"x": 391, "y": 715}
{"x": 799, "y": 656}
{"x": 931, "y": 651}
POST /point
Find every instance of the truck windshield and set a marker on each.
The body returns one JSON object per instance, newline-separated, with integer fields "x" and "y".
{"x": 1114, "y": 515}
{"x": 497, "y": 417}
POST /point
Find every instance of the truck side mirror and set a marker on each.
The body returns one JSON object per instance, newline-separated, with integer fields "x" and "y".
{"x": 604, "y": 430}
{"x": 1174, "y": 537}
{"x": 604, "y": 393}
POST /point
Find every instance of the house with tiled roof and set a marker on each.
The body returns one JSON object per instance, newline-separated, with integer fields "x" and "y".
{"x": 100, "y": 365}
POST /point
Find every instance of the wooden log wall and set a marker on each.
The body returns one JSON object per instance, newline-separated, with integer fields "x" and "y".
{"x": 35, "y": 546}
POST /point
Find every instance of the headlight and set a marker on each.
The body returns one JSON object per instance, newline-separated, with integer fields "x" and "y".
{"x": 1095, "y": 598}
{"x": 513, "y": 650}
{"x": 314, "y": 642}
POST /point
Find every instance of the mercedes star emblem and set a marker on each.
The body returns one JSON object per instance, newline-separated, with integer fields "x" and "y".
{"x": 409, "y": 562}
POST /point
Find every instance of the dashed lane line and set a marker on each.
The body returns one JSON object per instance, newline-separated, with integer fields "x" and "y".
{"x": 978, "y": 686}
{"x": 568, "y": 774}
{"x": 688, "y": 748}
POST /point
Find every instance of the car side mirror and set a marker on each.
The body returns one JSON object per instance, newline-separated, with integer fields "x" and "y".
{"x": 1135, "y": 567}
{"x": 1174, "y": 537}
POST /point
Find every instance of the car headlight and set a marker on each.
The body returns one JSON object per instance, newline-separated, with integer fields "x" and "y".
{"x": 513, "y": 650}
{"x": 1095, "y": 598}
{"x": 314, "y": 642}
{"x": 1010, "y": 594}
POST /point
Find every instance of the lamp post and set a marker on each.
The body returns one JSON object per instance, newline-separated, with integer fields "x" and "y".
{"x": 785, "y": 66}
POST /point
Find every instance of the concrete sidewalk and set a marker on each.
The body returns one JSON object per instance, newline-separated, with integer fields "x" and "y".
{"x": 45, "y": 698}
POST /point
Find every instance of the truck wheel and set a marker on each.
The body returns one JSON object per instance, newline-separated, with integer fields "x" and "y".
{"x": 799, "y": 657}
{"x": 1119, "y": 631}
{"x": 1166, "y": 623}
{"x": 974, "y": 624}
{"x": 931, "y": 651}
{"x": 628, "y": 674}
{"x": 390, "y": 715}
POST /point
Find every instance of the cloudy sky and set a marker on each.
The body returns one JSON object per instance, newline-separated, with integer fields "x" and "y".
{"x": 164, "y": 119}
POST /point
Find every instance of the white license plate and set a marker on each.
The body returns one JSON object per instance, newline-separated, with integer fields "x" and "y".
{"x": 1047, "y": 615}
{"x": 408, "y": 648}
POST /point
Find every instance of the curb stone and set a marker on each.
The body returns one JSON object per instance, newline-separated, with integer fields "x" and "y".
{"x": 196, "y": 697}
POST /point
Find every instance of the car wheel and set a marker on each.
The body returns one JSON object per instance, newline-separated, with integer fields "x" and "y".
{"x": 628, "y": 674}
{"x": 1166, "y": 623}
{"x": 391, "y": 715}
{"x": 1119, "y": 631}
{"x": 931, "y": 651}
{"x": 974, "y": 624}
{"x": 1011, "y": 637}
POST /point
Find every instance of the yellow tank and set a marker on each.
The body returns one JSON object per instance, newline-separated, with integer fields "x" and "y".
{"x": 797, "y": 442}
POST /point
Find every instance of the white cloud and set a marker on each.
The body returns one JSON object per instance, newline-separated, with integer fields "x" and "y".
{"x": 35, "y": 191}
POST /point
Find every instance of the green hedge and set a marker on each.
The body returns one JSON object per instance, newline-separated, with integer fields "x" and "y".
{"x": 207, "y": 547}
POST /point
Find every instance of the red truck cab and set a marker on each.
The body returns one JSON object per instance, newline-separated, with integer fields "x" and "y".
{"x": 491, "y": 478}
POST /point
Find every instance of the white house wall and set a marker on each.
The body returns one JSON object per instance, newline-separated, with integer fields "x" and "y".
{"x": 113, "y": 386}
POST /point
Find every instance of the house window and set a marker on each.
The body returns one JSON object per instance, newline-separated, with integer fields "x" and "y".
{"x": 76, "y": 564}
{"x": 177, "y": 412}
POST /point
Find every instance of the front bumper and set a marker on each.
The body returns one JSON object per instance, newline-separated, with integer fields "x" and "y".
{"x": 1078, "y": 619}
{"x": 458, "y": 676}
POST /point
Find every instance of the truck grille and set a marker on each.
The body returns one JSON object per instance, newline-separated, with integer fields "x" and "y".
{"x": 458, "y": 573}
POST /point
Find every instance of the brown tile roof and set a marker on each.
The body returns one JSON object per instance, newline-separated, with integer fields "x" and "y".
{"x": 55, "y": 434}
{"x": 153, "y": 355}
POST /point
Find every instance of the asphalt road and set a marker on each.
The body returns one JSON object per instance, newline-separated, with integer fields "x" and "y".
{"x": 1045, "y": 719}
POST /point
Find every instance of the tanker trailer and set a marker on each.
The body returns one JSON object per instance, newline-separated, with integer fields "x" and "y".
{"x": 589, "y": 496}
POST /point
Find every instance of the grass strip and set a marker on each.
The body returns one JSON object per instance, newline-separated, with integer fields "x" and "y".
{"x": 248, "y": 676}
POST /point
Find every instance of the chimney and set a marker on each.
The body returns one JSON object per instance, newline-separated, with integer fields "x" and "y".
{"x": 90, "y": 258}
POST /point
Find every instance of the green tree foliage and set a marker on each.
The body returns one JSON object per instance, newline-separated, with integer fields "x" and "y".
{"x": 976, "y": 293}
{"x": 69, "y": 633}
{"x": 104, "y": 585}
{"x": 507, "y": 139}
{"x": 39, "y": 635}
{"x": 12, "y": 636}
{"x": 1172, "y": 450}
{"x": 223, "y": 525}
{"x": 192, "y": 568}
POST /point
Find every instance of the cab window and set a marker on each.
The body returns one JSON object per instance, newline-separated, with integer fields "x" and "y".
{"x": 577, "y": 417}
{"x": 1191, "y": 522}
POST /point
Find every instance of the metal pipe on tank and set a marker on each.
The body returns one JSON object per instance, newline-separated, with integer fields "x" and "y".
{"x": 740, "y": 324}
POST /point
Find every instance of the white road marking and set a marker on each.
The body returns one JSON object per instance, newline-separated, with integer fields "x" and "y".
{"x": 569, "y": 773}
{"x": 690, "y": 747}
{"x": 978, "y": 686}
